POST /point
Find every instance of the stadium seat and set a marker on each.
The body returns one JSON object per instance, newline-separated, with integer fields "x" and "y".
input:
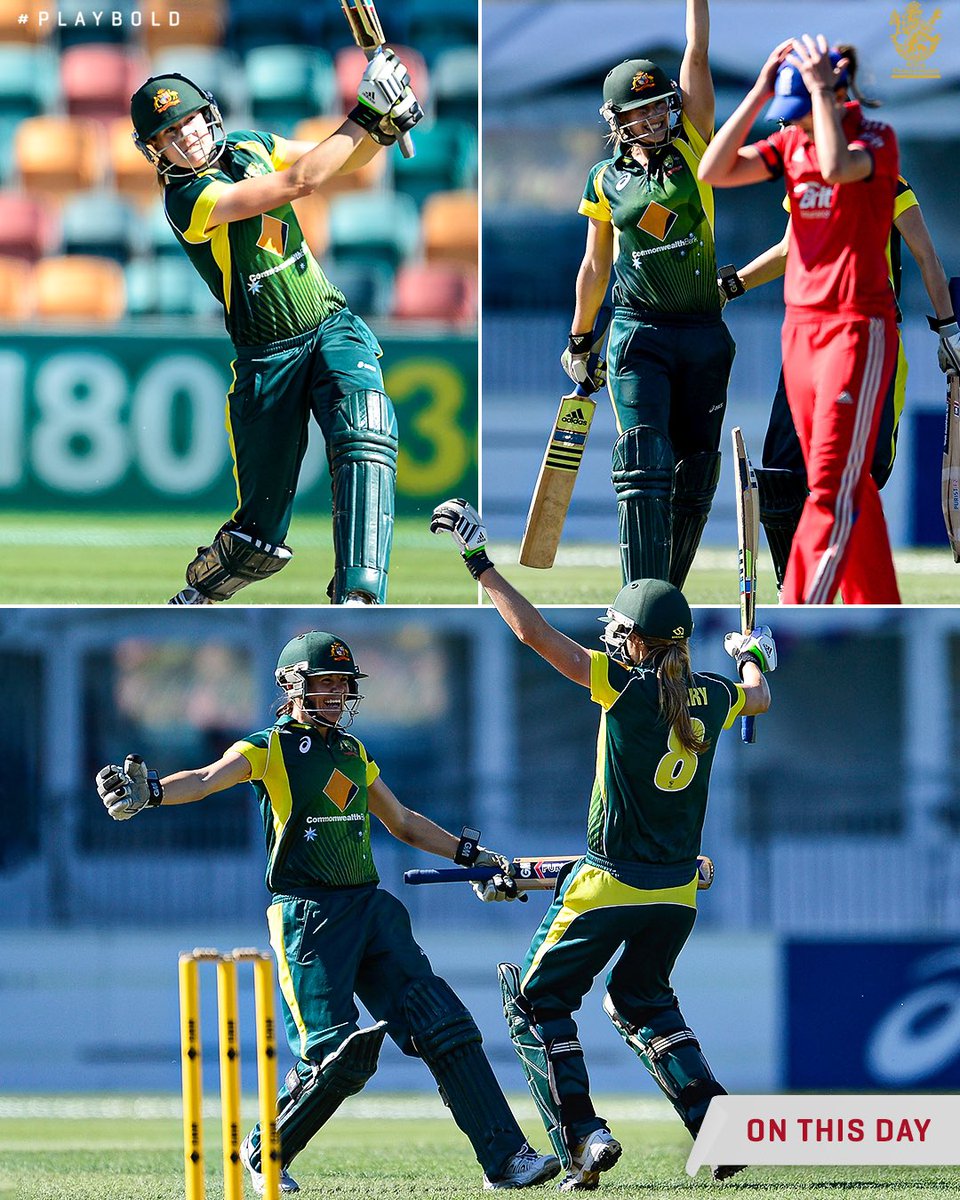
{"x": 58, "y": 155}
{"x": 133, "y": 177}
{"x": 451, "y": 227}
{"x": 324, "y": 25}
{"x": 11, "y": 31}
{"x": 374, "y": 227}
{"x": 367, "y": 176}
{"x": 27, "y": 227}
{"x": 435, "y": 25}
{"x": 368, "y": 286}
{"x": 97, "y": 81}
{"x": 211, "y": 67}
{"x": 8, "y": 132}
{"x": 445, "y": 160}
{"x": 201, "y": 23}
{"x": 79, "y": 288}
{"x": 313, "y": 213}
{"x": 29, "y": 82}
{"x": 455, "y": 79}
{"x": 168, "y": 287}
{"x": 101, "y": 224}
{"x": 159, "y": 239}
{"x": 287, "y": 84}
{"x": 351, "y": 62}
{"x": 435, "y": 292}
{"x": 77, "y": 25}
{"x": 16, "y": 289}
{"x": 264, "y": 23}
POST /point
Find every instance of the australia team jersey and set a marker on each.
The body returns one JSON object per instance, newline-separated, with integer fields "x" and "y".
{"x": 313, "y": 798}
{"x": 664, "y": 256}
{"x": 650, "y": 795}
{"x": 838, "y": 232}
{"x": 260, "y": 269}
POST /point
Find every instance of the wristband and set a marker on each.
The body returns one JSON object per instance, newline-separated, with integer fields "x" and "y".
{"x": 580, "y": 343}
{"x": 742, "y": 659}
{"x": 468, "y": 847}
{"x": 155, "y": 788}
{"x": 940, "y": 324}
{"x": 730, "y": 282}
{"x": 477, "y": 562}
{"x": 365, "y": 117}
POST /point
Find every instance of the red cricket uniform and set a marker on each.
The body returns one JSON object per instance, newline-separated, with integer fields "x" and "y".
{"x": 839, "y": 353}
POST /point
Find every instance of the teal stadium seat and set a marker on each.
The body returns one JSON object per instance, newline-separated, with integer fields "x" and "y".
{"x": 368, "y": 286}
{"x": 446, "y": 160}
{"x": 455, "y": 84}
{"x": 218, "y": 71}
{"x": 168, "y": 287}
{"x": 69, "y": 33}
{"x": 102, "y": 224}
{"x": 159, "y": 240}
{"x": 287, "y": 84}
{"x": 29, "y": 80}
{"x": 263, "y": 23}
{"x": 8, "y": 130}
{"x": 437, "y": 25}
{"x": 379, "y": 227}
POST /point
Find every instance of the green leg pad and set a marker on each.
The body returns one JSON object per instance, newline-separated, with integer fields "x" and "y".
{"x": 362, "y": 449}
{"x": 642, "y": 474}
{"x": 447, "y": 1039}
{"x": 534, "y": 1062}
{"x": 782, "y": 495}
{"x": 312, "y": 1092}
{"x": 694, "y": 485}
{"x": 672, "y": 1055}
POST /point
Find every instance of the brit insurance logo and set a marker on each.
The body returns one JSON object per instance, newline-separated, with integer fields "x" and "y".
{"x": 914, "y": 40}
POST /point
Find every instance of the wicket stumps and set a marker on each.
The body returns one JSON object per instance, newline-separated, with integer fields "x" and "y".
{"x": 191, "y": 1064}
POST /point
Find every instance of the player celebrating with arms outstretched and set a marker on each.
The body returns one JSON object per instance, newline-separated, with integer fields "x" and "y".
{"x": 670, "y": 354}
{"x": 839, "y": 333}
{"x": 335, "y": 933}
{"x": 299, "y": 349}
{"x": 636, "y": 887}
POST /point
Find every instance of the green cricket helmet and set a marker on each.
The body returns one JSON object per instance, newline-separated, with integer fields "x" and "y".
{"x": 317, "y": 653}
{"x": 651, "y": 608}
{"x": 628, "y": 88}
{"x": 164, "y": 100}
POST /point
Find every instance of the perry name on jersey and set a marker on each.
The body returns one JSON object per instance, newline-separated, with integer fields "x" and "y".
{"x": 261, "y": 268}
{"x": 312, "y": 793}
{"x": 665, "y": 259}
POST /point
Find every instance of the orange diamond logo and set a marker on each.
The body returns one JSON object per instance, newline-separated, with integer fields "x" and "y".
{"x": 340, "y": 790}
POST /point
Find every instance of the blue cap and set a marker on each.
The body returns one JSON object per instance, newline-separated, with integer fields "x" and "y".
{"x": 791, "y": 100}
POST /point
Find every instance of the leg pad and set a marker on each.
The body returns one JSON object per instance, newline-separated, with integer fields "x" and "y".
{"x": 694, "y": 486}
{"x": 642, "y": 474}
{"x": 235, "y": 559}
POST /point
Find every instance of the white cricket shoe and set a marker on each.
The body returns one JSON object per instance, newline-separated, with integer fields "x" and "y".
{"x": 526, "y": 1168}
{"x": 597, "y": 1152}
{"x": 190, "y": 595}
{"x": 287, "y": 1181}
{"x": 358, "y": 600}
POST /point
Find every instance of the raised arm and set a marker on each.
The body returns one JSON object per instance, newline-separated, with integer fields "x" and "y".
{"x": 128, "y": 790}
{"x": 839, "y": 162}
{"x": 368, "y": 149}
{"x": 696, "y": 82}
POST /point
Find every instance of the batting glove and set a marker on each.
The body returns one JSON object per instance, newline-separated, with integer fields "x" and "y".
{"x": 948, "y": 352}
{"x": 575, "y": 360}
{"x": 501, "y": 886}
{"x": 129, "y": 789}
{"x": 381, "y": 87}
{"x": 757, "y": 647}
{"x": 462, "y": 521}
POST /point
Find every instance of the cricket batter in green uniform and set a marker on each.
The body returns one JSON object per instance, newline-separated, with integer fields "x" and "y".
{"x": 636, "y": 886}
{"x": 669, "y": 355}
{"x": 335, "y": 933}
{"x": 299, "y": 349}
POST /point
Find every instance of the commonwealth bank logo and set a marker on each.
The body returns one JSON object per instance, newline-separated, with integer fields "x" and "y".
{"x": 914, "y": 40}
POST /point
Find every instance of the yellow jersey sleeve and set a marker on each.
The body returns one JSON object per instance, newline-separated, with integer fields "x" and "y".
{"x": 255, "y": 754}
{"x": 736, "y": 705}
{"x": 373, "y": 771}
{"x": 594, "y": 203}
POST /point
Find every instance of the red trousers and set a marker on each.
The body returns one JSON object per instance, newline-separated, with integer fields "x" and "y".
{"x": 837, "y": 370}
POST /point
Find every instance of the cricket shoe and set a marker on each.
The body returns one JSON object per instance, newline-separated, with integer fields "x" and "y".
{"x": 526, "y": 1168}
{"x": 190, "y": 595}
{"x": 597, "y": 1152}
{"x": 358, "y": 599}
{"x": 287, "y": 1181}
{"x": 721, "y": 1173}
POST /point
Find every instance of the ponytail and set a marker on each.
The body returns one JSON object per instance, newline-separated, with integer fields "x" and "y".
{"x": 671, "y": 660}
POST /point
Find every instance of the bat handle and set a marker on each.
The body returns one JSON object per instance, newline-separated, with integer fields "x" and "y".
{"x": 748, "y": 730}
{"x": 405, "y": 142}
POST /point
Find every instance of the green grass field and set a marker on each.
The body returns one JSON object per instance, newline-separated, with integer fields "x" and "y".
{"x": 590, "y": 574}
{"x": 387, "y": 1147}
{"x": 62, "y": 558}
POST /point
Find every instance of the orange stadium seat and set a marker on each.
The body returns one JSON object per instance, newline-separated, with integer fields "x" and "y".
{"x": 58, "y": 155}
{"x": 16, "y": 289}
{"x": 80, "y": 288}
{"x": 133, "y": 177}
{"x": 351, "y": 62}
{"x": 98, "y": 80}
{"x": 451, "y": 227}
{"x": 27, "y": 227}
{"x": 435, "y": 292}
{"x": 313, "y": 213}
{"x": 201, "y": 23}
{"x": 315, "y": 129}
{"x": 12, "y": 31}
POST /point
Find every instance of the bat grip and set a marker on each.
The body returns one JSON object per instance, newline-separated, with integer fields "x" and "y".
{"x": 451, "y": 875}
{"x": 748, "y": 730}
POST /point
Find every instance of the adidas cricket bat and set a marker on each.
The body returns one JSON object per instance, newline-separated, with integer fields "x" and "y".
{"x": 950, "y": 486}
{"x": 561, "y": 462}
{"x": 748, "y": 534}
{"x": 367, "y": 32}
{"x": 531, "y": 874}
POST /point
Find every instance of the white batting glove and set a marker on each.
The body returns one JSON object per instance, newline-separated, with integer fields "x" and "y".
{"x": 383, "y": 83}
{"x": 462, "y": 521}
{"x": 757, "y": 647}
{"x": 501, "y": 886}
{"x": 948, "y": 352}
{"x": 129, "y": 789}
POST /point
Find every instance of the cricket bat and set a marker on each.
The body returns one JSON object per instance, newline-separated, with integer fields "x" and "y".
{"x": 950, "y": 486}
{"x": 748, "y": 533}
{"x": 561, "y": 462}
{"x": 368, "y": 34}
{"x": 531, "y": 874}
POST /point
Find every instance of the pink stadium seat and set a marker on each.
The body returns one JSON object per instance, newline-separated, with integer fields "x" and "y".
{"x": 98, "y": 80}
{"x": 27, "y": 227}
{"x": 351, "y": 62}
{"x": 435, "y": 292}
